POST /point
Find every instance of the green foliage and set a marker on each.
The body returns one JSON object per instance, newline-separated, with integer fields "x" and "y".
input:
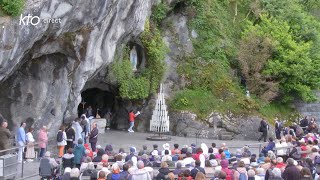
{"x": 12, "y": 7}
{"x": 139, "y": 86}
{"x": 291, "y": 64}
{"x": 159, "y": 12}
{"x": 280, "y": 110}
{"x": 198, "y": 101}
{"x": 156, "y": 53}
{"x": 131, "y": 87}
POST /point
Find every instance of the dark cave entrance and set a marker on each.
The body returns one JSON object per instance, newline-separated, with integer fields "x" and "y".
{"x": 100, "y": 101}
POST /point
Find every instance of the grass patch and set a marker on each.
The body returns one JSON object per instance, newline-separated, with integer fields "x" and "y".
{"x": 283, "y": 111}
{"x": 200, "y": 102}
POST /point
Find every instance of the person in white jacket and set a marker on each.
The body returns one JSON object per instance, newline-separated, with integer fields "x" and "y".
{"x": 63, "y": 141}
{"x": 78, "y": 130}
{"x": 30, "y": 154}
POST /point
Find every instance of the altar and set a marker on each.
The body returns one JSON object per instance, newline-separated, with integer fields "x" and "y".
{"x": 101, "y": 124}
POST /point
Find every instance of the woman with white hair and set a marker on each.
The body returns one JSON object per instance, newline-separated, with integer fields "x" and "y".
{"x": 166, "y": 146}
{"x": 74, "y": 174}
{"x": 115, "y": 175}
{"x": 90, "y": 171}
{"x": 66, "y": 174}
{"x": 276, "y": 174}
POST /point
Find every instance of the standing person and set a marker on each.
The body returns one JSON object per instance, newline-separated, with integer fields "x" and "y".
{"x": 132, "y": 116}
{"x": 291, "y": 171}
{"x": 21, "y": 140}
{"x": 79, "y": 152}
{"x": 5, "y": 136}
{"x": 304, "y": 123}
{"x": 85, "y": 127}
{"x": 108, "y": 119}
{"x": 278, "y": 128}
{"x": 42, "y": 140}
{"x": 70, "y": 137}
{"x": 264, "y": 129}
{"x": 89, "y": 112}
{"x": 61, "y": 140}
{"x": 78, "y": 130}
{"x": 30, "y": 155}
{"x": 93, "y": 136}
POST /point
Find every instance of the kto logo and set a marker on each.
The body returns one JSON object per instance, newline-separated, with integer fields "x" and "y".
{"x": 26, "y": 20}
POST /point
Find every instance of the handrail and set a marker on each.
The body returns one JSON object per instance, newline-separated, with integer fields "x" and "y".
{"x": 17, "y": 147}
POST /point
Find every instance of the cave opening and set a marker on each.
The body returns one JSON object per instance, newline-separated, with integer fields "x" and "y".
{"x": 100, "y": 101}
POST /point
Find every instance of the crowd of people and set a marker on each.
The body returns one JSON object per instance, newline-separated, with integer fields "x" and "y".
{"x": 293, "y": 155}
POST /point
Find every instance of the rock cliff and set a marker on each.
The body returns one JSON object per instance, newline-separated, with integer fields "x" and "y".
{"x": 44, "y": 67}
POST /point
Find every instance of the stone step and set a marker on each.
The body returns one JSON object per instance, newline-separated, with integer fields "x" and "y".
{"x": 226, "y": 133}
{"x": 225, "y": 137}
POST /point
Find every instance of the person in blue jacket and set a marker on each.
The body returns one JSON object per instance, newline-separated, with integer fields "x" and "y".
{"x": 79, "y": 152}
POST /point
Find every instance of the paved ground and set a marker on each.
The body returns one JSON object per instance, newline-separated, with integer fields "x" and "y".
{"x": 122, "y": 139}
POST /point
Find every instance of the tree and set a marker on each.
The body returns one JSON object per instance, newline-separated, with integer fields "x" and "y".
{"x": 290, "y": 64}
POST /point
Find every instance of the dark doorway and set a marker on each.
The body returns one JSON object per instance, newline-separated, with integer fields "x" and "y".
{"x": 100, "y": 101}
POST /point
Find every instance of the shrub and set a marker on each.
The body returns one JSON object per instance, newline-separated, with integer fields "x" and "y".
{"x": 12, "y": 7}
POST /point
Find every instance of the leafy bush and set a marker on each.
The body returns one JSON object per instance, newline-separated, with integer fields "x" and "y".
{"x": 290, "y": 64}
{"x": 147, "y": 82}
{"x": 12, "y": 7}
{"x": 159, "y": 13}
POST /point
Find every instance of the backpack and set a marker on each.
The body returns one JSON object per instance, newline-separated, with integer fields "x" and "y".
{"x": 228, "y": 174}
{"x": 60, "y": 136}
{"x": 242, "y": 176}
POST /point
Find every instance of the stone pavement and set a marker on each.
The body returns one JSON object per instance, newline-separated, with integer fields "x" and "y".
{"x": 124, "y": 139}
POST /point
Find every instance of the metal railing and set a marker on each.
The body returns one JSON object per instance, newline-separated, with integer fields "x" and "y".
{"x": 15, "y": 149}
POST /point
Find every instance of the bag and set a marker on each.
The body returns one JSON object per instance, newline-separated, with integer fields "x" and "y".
{"x": 228, "y": 174}
{"x": 260, "y": 128}
{"x": 60, "y": 136}
{"x": 242, "y": 176}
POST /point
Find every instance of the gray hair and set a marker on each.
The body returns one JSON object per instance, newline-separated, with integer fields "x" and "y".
{"x": 75, "y": 172}
{"x": 140, "y": 164}
{"x": 276, "y": 172}
{"x": 290, "y": 161}
{"x": 80, "y": 141}
{"x": 179, "y": 165}
{"x": 260, "y": 171}
{"x": 90, "y": 165}
{"x": 251, "y": 173}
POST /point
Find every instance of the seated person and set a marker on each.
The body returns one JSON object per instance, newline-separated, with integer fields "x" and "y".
{"x": 48, "y": 166}
{"x": 90, "y": 171}
{"x": 197, "y": 169}
{"x": 269, "y": 147}
{"x": 68, "y": 159}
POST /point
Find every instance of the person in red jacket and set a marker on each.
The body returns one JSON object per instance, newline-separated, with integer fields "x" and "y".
{"x": 132, "y": 116}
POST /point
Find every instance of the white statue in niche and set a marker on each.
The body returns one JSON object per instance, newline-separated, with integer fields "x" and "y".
{"x": 134, "y": 58}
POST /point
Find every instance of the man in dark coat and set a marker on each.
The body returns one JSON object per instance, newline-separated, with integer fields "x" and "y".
{"x": 304, "y": 123}
{"x": 264, "y": 129}
{"x": 291, "y": 172}
{"x": 278, "y": 128}
{"x": 5, "y": 136}
{"x": 93, "y": 136}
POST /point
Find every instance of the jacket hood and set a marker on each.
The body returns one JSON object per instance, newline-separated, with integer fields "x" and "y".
{"x": 79, "y": 146}
{"x": 68, "y": 156}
